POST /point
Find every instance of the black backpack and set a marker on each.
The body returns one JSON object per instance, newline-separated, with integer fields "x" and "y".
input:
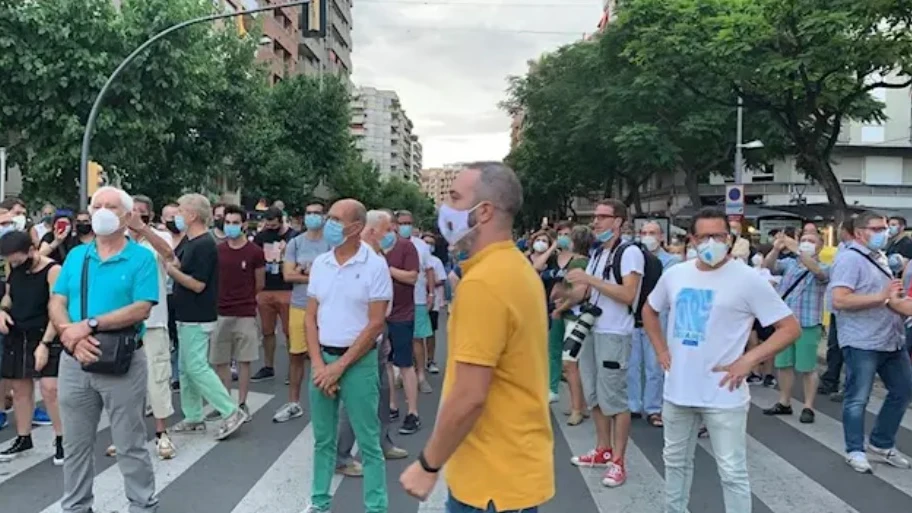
{"x": 652, "y": 271}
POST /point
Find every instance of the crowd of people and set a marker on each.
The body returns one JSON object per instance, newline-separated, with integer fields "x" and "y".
{"x": 114, "y": 309}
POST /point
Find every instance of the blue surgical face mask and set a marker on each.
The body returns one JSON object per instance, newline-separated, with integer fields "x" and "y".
{"x": 605, "y": 236}
{"x": 878, "y": 241}
{"x": 232, "y": 231}
{"x": 6, "y": 229}
{"x": 387, "y": 242}
{"x": 405, "y": 231}
{"x": 180, "y": 222}
{"x": 334, "y": 233}
{"x": 626, "y": 238}
{"x": 313, "y": 221}
{"x": 461, "y": 256}
{"x": 894, "y": 230}
{"x": 563, "y": 242}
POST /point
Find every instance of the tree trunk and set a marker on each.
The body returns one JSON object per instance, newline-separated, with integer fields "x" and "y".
{"x": 821, "y": 169}
{"x": 692, "y": 184}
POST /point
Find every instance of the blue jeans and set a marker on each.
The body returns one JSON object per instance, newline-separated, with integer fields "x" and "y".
{"x": 643, "y": 358}
{"x": 455, "y": 506}
{"x": 895, "y": 370}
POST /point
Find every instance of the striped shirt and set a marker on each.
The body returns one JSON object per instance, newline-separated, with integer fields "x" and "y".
{"x": 806, "y": 298}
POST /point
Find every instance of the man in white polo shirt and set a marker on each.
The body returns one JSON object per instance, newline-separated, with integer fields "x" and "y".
{"x": 350, "y": 288}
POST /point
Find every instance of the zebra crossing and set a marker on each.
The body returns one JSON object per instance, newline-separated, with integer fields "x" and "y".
{"x": 267, "y": 468}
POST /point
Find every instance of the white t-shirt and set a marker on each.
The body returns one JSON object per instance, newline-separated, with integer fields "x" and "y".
{"x": 424, "y": 263}
{"x": 616, "y": 317}
{"x": 440, "y": 276}
{"x": 710, "y": 318}
{"x": 158, "y": 317}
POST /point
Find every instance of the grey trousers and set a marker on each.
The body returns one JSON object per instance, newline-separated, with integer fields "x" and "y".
{"x": 347, "y": 434}
{"x": 82, "y": 397}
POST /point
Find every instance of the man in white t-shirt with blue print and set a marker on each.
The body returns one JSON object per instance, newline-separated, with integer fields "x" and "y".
{"x": 712, "y": 302}
{"x": 603, "y": 359}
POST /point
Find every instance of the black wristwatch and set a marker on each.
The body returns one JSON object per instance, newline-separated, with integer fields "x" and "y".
{"x": 425, "y": 465}
{"x": 93, "y": 324}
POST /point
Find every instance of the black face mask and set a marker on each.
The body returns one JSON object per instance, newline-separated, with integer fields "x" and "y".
{"x": 145, "y": 219}
{"x": 83, "y": 228}
{"x": 172, "y": 227}
{"x": 219, "y": 224}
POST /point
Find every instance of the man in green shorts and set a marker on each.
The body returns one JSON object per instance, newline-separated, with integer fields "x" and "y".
{"x": 803, "y": 284}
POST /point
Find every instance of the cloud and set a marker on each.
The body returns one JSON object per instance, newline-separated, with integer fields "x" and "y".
{"x": 449, "y": 62}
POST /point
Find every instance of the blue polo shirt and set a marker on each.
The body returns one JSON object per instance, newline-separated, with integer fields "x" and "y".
{"x": 119, "y": 281}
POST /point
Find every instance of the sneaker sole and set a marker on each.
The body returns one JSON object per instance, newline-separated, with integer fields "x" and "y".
{"x": 58, "y": 463}
{"x": 292, "y": 417}
{"x": 407, "y": 431}
{"x": 226, "y": 434}
{"x": 42, "y": 423}
{"x": 260, "y": 380}
{"x": 611, "y": 484}
{"x": 861, "y": 471}
{"x": 583, "y": 464}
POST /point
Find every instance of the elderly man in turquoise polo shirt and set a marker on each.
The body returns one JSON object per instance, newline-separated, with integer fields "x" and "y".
{"x": 122, "y": 288}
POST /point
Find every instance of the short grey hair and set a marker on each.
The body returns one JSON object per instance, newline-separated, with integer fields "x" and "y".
{"x": 658, "y": 225}
{"x": 359, "y": 213}
{"x": 125, "y": 200}
{"x": 199, "y": 204}
{"x": 376, "y": 217}
{"x": 145, "y": 200}
{"x": 498, "y": 184}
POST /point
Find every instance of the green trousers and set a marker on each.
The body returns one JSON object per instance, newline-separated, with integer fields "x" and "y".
{"x": 555, "y": 353}
{"x": 197, "y": 379}
{"x": 359, "y": 392}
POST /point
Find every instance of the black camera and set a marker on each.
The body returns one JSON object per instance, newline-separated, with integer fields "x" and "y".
{"x": 579, "y": 330}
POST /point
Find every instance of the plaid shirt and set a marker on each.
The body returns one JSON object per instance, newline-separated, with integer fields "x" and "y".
{"x": 806, "y": 299}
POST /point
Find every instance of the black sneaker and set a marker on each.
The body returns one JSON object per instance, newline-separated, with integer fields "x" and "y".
{"x": 754, "y": 379}
{"x": 807, "y": 416}
{"x": 778, "y": 409}
{"x": 770, "y": 381}
{"x": 264, "y": 374}
{"x": 410, "y": 425}
{"x": 20, "y": 445}
{"x": 175, "y": 386}
{"x": 394, "y": 414}
{"x": 58, "y": 451}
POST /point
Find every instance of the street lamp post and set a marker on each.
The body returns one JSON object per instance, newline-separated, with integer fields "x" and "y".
{"x": 739, "y": 137}
{"x": 93, "y": 114}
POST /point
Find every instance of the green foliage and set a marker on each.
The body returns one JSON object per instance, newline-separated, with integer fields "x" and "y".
{"x": 806, "y": 66}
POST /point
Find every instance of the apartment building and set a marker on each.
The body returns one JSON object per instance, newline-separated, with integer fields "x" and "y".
{"x": 331, "y": 53}
{"x": 436, "y": 182}
{"x": 417, "y": 159}
{"x": 383, "y": 132}
{"x": 279, "y": 45}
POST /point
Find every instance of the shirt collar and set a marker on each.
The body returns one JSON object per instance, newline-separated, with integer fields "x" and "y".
{"x": 121, "y": 255}
{"x": 484, "y": 253}
{"x": 359, "y": 258}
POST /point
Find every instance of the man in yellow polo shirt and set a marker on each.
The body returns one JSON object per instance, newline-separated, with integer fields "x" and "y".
{"x": 495, "y": 393}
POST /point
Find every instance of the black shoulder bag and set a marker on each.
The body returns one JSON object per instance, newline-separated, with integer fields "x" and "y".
{"x": 117, "y": 347}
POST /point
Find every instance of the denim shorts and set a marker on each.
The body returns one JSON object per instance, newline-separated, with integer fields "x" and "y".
{"x": 400, "y": 335}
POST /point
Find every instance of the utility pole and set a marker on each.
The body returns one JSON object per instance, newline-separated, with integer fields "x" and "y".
{"x": 2, "y": 173}
{"x": 739, "y": 143}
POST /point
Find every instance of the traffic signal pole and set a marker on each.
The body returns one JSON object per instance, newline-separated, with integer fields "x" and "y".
{"x": 93, "y": 114}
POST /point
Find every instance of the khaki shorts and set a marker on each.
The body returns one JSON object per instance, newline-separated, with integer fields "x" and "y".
{"x": 234, "y": 338}
{"x": 157, "y": 344}
{"x": 297, "y": 331}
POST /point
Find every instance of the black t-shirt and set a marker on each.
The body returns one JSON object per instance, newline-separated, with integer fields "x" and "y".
{"x": 901, "y": 246}
{"x": 199, "y": 260}
{"x": 274, "y": 257}
{"x": 59, "y": 255}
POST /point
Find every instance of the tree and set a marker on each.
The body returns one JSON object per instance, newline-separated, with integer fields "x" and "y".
{"x": 806, "y": 65}
{"x": 172, "y": 121}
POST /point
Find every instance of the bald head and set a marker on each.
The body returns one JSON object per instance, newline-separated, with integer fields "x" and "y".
{"x": 348, "y": 211}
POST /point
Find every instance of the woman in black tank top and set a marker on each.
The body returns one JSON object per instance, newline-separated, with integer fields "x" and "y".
{"x": 31, "y": 349}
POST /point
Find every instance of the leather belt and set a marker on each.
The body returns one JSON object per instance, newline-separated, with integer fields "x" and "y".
{"x": 334, "y": 351}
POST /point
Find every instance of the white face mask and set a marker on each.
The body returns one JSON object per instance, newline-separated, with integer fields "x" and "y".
{"x": 807, "y": 248}
{"x": 691, "y": 254}
{"x": 712, "y": 252}
{"x": 757, "y": 260}
{"x": 540, "y": 246}
{"x": 19, "y": 222}
{"x": 105, "y": 222}
{"x": 454, "y": 224}
{"x": 651, "y": 243}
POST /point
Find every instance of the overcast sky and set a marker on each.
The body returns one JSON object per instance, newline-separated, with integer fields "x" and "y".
{"x": 449, "y": 62}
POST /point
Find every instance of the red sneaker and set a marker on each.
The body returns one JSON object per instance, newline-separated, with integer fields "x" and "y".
{"x": 595, "y": 458}
{"x": 615, "y": 476}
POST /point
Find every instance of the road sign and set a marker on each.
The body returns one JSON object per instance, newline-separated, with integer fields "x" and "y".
{"x": 734, "y": 200}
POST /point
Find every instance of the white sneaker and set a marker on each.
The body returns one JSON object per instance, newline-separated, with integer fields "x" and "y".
{"x": 889, "y": 456}
{"x": 165, "y": 447}
{"x": 553, "y": 398}
{"x": 313, "y": 509}
{"x": 859, "y": 462}
{"x": 287, "y": 412}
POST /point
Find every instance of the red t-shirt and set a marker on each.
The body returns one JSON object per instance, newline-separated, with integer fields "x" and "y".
{"x": 237, "y": 279}
{"x": 403, "y": 256}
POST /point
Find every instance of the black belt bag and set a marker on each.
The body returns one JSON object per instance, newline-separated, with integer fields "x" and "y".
{"x": 117, "y": 347}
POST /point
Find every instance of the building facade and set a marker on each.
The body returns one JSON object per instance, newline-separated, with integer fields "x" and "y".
{"x": 417, "y": 159}
{"x": 332, "y": 53}
{"x": 383, "y": 132}
{"x": 436, "y": 182}
{"x": 279, "y": 45}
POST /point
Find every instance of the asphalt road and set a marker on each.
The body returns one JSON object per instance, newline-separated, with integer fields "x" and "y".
{"x": 267, "y": 468}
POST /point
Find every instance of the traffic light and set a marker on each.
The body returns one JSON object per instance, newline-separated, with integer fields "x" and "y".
{"x": 97, "y": 178}
{"x": 313, "y": 19}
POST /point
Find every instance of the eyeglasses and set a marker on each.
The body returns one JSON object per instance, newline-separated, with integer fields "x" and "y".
{"x": 718, "y": 237}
